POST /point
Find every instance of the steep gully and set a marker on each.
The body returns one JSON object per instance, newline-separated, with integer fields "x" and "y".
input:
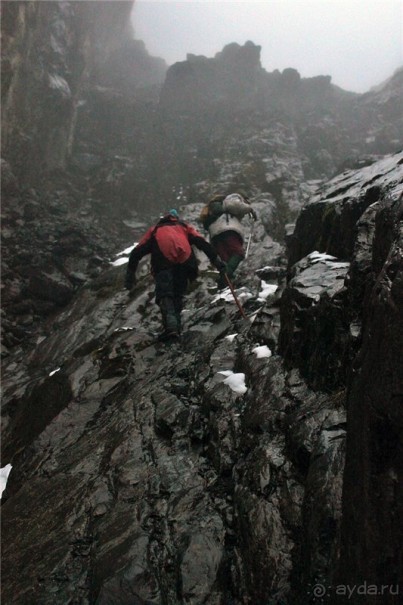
{"x": 139, "y": 476}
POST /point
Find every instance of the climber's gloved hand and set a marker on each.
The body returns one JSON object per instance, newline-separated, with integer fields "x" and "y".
{"x": 253, "y": 214}
{"x": 221, "y": 266}
{"x": 130, "y": 280}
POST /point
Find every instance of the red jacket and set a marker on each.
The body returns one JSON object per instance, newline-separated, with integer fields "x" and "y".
{"x": 170, "y": 243}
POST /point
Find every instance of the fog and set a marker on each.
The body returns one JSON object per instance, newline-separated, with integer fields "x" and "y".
{"x": 359, "y": 43}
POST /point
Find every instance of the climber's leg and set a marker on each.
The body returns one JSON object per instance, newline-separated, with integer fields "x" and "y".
{"x": 164, "y": 296}
{"x": 229, "y": 246}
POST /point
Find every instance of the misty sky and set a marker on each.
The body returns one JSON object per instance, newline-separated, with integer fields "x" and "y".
{"x": 359, "y": 43}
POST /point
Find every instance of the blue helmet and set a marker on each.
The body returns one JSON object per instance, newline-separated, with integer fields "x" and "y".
{"x": 174, "y": 213}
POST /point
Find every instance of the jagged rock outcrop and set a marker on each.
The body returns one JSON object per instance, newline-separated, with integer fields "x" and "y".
{"x": 223, "y": 123}
{"x": 141, "y": 476}
{"x": 339, "y": 225}
{"x": 322, "y": 311}
{"x": 328, "y": 223}
{"x": 231, "y": 94}
{"x": 56, "y": 249}
{"x": 232, "y": 78}
{"x": 351, "y": 333}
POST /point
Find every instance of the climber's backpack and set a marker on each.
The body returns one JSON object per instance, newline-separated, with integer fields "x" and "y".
{"x": 173, "y": 242}
{"x": 212, "y": 210}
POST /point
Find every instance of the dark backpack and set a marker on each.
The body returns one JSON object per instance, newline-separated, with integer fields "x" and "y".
{"x": 212, "y": 210}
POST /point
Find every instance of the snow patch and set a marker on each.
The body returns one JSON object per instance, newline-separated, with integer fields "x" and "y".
{"x": 120, "y": 261}
{"x": 231, "y": 337}
{"x": 327, "y": 259}
{"x": 127, "y": 251}
{"x": 54, "y": 371}
{"x": 338, "y": 265}
{"x": 4, "y": 473}
{"x": 125, "y": 254}
{"x": 266, "y": 290}
{"x": 316, "y": 256}
{"x": 262, "y": 351}
{"x": 236, "y": 382}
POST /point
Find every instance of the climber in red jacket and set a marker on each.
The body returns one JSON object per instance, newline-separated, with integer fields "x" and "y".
{"x": 173, "y": 264}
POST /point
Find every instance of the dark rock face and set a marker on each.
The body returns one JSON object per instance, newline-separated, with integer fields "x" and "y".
{"x": 363, "y": 313}
{"x": 46, "y": 48}
{"x": 51, "y": 247}
{"x": 315, "y": 328}
{"x": 162, "y": 484}
{"x": 325, "y": 294}
{"x": 328, "y": 222}
{"x": 372, "y": 496}
{"x": 151, "y": 480}
{"x": 52, "y": 241}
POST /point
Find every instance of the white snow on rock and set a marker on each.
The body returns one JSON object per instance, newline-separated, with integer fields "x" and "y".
{"x": 262, "y": 351}
{"x": 266, "y": 290}
{"x": 316, "y": 256}
{"x": 120, "y": 261}
{"x": 4, "y": 473}
{"x": 125, "y": 256}
{"x": 54, "y": 371}
{"x": 231, "y": 337}
{"x": 338, "y": 265}
{"x": 236, "y": 382}
{"x": 327, "y": 259}
{"x": 127, "y": 251}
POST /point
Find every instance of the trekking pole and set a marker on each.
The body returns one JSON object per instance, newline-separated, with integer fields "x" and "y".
{"x": 248, "y": 246}
{"x": 231, "y": 287}
{"x": 249, "y": 239}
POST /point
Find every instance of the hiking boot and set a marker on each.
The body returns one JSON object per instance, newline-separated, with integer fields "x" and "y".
{"x": 168, "y": 335}
{"x": 169, "y": 317}
{"x": 171, "y": 323}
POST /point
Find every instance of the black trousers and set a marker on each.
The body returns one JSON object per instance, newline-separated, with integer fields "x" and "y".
{"x": 172, "y": 283}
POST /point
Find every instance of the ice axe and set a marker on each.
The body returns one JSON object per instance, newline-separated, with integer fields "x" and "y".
{"x": 231, "y": 287}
